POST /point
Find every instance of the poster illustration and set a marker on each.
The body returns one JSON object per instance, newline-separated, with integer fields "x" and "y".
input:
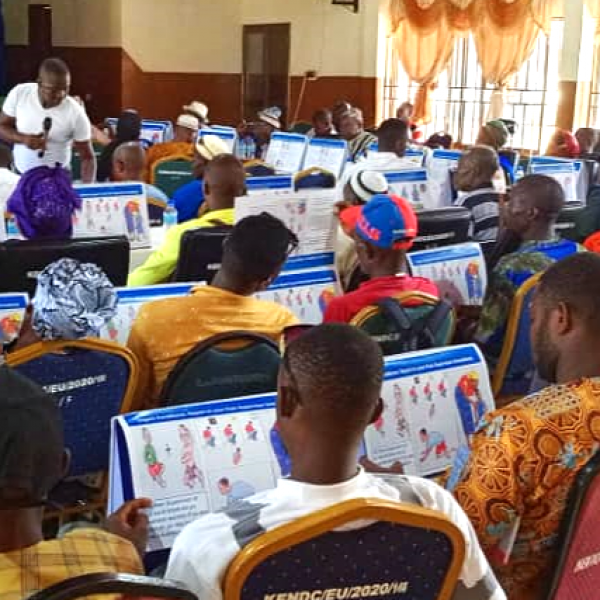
{"x": 327, "y": 154}
{"x": 564, "y": 172}
{"x": 413, "y": 185}
{"x": 12, "y": 315}
{"x": 439, "y": 166}
{"x": 286, "y": 152}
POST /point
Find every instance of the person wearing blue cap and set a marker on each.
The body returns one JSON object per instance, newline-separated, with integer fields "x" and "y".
{"x": 384, "y": 229}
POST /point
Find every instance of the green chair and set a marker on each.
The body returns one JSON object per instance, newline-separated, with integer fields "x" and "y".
{"x": 170, "y": 173}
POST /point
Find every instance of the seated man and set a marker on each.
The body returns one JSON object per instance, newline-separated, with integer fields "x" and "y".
{"x": 128, "y": 164}
{"x": 329, "y": 392}
{"x": 531, "y": 213}
{"x": 352, "y": 130}
{"x": 224, "y": 181}
{"x": 384, "y": 230}
{"x": 165, "y": 330}
{"x": 322, "y": 121}
{"x": 526, "y": 457}
{"x": 495, "y": 134}
{"x": 473, "y": 177}
{"x": 33, "y": 461}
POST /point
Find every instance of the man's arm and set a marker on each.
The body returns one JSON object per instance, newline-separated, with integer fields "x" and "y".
{"x": 88, "y": 161}
{"x": 9, "y": 133}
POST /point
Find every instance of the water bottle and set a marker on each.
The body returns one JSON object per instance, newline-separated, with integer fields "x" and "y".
{"x": 250, "y": 149}
{"x": 241, "y": 149}
{"x": 12, "y": 231}
{"x": 170, "y": 216}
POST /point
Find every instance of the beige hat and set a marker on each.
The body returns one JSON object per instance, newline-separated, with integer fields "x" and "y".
{"x": 188, "y": 122}
{"x": 209, "y": 146}
{"x": 197, "y": 108}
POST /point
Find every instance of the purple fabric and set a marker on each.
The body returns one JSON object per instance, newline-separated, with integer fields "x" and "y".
{"x": 44, "y": 202}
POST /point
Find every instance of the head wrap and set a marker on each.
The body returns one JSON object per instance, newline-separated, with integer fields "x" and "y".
{"x": 498, "y": 131}
{"x": 73, "y": 300}
{"x": 44, "y": 202}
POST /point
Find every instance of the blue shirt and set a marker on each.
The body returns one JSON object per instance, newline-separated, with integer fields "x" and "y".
{"x": 188, "y": 200}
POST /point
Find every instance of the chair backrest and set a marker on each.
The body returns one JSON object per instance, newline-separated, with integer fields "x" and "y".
{"x": 130, "y": 586}
{"x": 314, "y": 178}
{"x": 405, "y": 551}
{"x": 22, "y": 261}
{"x": 227, "y": 365}
{"x": 92, "y": 381}
{"x": 577, "y": 574}
{"x": 567, "y": 222}
{"x": 442, "y": 227}
{"x": 200, "y": 254}
{"x": 516, "y": 357}
{"x": 407, "y": 322}
{"x": 170, "y": 173}
{"x": 156, "y": 211}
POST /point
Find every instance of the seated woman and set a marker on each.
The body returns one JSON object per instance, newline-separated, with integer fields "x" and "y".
{"x": 44, "y": 202}
{"x": 563, "y": 144}
{"x": 73, "y": 300}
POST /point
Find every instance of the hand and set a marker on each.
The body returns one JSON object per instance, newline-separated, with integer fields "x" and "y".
{"x": 371, "y": 467}
{"x": 34, "y": 142}
{"x": 131, "y": 523}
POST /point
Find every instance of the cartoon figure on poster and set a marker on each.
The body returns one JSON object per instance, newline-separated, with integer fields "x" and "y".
{"x": 433, "y": 440}
{"x": 234, "y": 491}
{"x": 192, "y": 474}
{"x": 134, "y": 220}
{"x": 209, "y": 437}
{"x": 325, "y": 297}
{"x": 469, "y": 403}
{"x": 251, "y": 431}
{"x": 285, "y": 464}
{"x": 154, "y": 466}
{"x": 10, "y": 326}
{"x": 401, "y": 422}
{"x": 237, "y": 456}
{"x": 230, "y": 434}
{"x": 474, "y": 283}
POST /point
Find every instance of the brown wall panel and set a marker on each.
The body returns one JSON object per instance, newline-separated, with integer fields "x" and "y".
{"x": 565, "y": 113}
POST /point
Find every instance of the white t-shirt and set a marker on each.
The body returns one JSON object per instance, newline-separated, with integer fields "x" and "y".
{"x": 70, "y": 124}
{"x": 204, "y": 549}
{"x": 8, "y": 183}
{"x": 380, "y": 162}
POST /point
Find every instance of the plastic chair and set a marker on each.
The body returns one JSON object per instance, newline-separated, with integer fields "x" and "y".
{"x": 314, "y": 178}
{"x": 577, "y": 574}
{"x": 258, "y": 168}
{"x": 21, "y": 261}
{"x": 566, "y": 224}
{"x": 442, "y": 227}
{"x": 156, "y": 211}
{"x": 129, "y": 586}
{"x": 172, "y": 172}
{"x": 407, "y": 322}
{"x": 227, "y": 365}
{"x": 400, "y": 548}
{"x": 516, "y": 356}
{"x": 200, "y": 254}
{"x": 92, "y": 381}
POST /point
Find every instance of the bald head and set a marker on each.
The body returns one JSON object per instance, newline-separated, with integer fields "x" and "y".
{"x": 476, "y": 169}
{"x": 129, "y": 161}
{"x": 224, "y": 181}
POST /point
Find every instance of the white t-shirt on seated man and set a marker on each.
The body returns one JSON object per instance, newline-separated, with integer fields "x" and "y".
{"x": 329, "y": 391}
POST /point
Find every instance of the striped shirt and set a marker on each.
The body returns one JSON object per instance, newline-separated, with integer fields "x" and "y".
{"x": 485, "y": 213}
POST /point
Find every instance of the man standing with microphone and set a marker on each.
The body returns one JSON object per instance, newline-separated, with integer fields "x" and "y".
{"x": 44, "y": 123}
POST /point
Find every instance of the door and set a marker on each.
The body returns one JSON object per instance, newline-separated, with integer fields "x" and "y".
{"x": 266, "y": 69}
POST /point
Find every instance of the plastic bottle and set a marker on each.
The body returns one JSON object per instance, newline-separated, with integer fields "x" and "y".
{"x": 170, "y": 216}
{"x": 250, "y": 148}
{"x": 241, "y": 148}
{"x": 12, "y": 231}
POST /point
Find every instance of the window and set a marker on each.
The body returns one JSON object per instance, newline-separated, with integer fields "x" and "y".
{"x": 461, "y": 100}
{"x": 594, "y": 114}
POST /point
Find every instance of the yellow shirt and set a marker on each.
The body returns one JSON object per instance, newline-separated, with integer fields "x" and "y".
{"x": 162, "y": 262}
{"x": 165, "y": 330}
{"x": 84, "y": 551}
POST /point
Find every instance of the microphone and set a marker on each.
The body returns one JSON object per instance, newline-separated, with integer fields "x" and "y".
{"x": 47, "y": 127}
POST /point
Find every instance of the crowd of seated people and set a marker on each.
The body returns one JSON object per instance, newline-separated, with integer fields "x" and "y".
{"x": 331, "y": 377}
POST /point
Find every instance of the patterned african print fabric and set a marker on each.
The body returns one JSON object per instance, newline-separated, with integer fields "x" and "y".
{"x": 524, "y": 460}
{"x": 160, "y": 151}
{"x": 511, "y": 272}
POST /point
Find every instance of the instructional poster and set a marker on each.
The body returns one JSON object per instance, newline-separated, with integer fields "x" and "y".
{"x": 226, "y": 134}
{"x": 113, "y": 209}
{"x": 12, "y": 315}
{"x": 413, "y": 185}
{"x": 433, "y": 402}
{"x": 286, "y": 152}
{"x": 327, "y": 154}
{"x": 439, "y": 167}
{"x": 308, "y": 213}
{"x": 459, "y": 272}
{"x": 130, "y": 300}
{"x": 564, "y": 172}
{"x": 153, "y": 132}
{"x": 277, "y": 184}
{"x": 305, "y": 293}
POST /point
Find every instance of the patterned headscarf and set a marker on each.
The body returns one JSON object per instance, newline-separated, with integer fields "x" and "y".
{"x": 44, "y": 202}
{"x": 73, "y": 300}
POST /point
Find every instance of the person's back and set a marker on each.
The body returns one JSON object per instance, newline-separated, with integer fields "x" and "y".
{"x": 166, "y": 329}
{"x": 384, "y": 229}
{"x": 129, "y": 128}
{"x": 525, "y": 457}
{"x": 329, "y": 392}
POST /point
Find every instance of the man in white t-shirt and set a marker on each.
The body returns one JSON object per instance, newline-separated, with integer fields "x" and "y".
{"x": 44, "y": 123}
{"x": 329, "y": 392}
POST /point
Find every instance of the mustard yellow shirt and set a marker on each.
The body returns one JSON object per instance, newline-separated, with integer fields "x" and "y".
{"x": 162, "y": 262}
{"x": 165, "y": 330}
{"x": 84, "y": 551}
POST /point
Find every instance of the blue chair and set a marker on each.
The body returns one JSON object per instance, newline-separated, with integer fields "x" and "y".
{"x": 406, "y": 552}
{"x": 92, "y": 381}
{"x": 314, "y": 178}
{"x": 131, "y": 586}
{"x": 170, "y": 173}
{"x": 227, "y": 365}
{"x": 516, "y": 356}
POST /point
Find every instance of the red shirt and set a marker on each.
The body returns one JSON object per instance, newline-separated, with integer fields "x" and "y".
{"x": 345, "y": 308}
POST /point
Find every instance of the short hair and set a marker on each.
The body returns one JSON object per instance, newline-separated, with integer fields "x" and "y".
{"x": 339, "y": 368}
{"x": 223, "y": 481}
{"x": 574, "y": 281}
{"x": 353, "y": 113}
{"x": 225, "y": 172}
{"x": 322, "y": 114}
{"x": 541, "y": 192}
{"x": 257, "y": 248}
{"x": 132, "y": 153}
{"x": 55, "y": 66}
{"x": 482, "y": 161}
{"x": 392, "y": 131}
